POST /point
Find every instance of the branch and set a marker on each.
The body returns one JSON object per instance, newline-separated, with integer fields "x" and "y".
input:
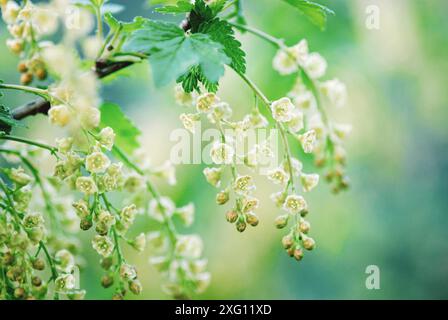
{"x": 102, "y": 69}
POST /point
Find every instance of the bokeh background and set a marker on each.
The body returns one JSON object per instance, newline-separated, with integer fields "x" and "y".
{"x": 394, "y": 216}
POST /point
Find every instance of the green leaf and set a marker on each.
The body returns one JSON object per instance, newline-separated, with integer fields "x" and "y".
{"x": 126, "y": 133}
{"x": 315, "y": 12}
{"x": 172, "y": 52}
{"x": 201, "y": 13}
{"x": 7, "y": 122}
{"x": 181, "y": 7}
{"x": 190, "y": 81}
{"x": 221, "y": 31}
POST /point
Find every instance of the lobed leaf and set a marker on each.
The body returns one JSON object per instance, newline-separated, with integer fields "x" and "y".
{"x": 315, "y": 12}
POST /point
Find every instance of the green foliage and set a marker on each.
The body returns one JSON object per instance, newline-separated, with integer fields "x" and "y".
{"x": 126, "y": 132}
{"x": 7, "y": 122}
{"x": 315, "y": 12}
{"x": 221, "y": 31}
{"x": 173, "y": 52}
{"x": 181, "y": 7}
{"x": 190, "y": 81}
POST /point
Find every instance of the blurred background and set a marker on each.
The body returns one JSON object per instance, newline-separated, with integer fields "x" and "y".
{"x": 394, "y": 216}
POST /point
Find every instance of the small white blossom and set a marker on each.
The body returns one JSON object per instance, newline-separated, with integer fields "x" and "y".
{"x": 250, "y": 204}
{"x": 186, "y": 213}
{"x": 189, "y": 121}
{"x": 189, "y": 246}
{"x": 243, "y": 184}
{"x": 213, "y": 176}
{"x": 86, "y": 185}
{"x": 278, "y": 198}
{"x": 64, "y": 282}
{"x": 341, "y": 131}
{"x": 167, "y": 171}
{"x": 59, "y": 115}
{"x": 19, "y": 176}
{"x": 139, "y": 243}
{"x": 106, "y": 138}
{"x": 65, "y": 261}
{"x": 278, "y": 176}
{"x": 97, "y": 162}
{"x": 282, "y": 110}
{"x": 206, "y": 101}
{"x": 103, "y": 245}
{"x": 64, "y": 144}
{"x": 305, "y": 101}
{"x": 296, "y": 122}
{"x": 222, "y": 153}
{"x": 220, "y": 111}
{"x": 308, "y": 140}
{"x": 309, "y": 181}
{"x": 183, "y": 98}
{"x": 128, "y": 272}
{"x": 335, "y": 91}
{"x": 315, "y": 65}
{"x": 161, "y": 210}
{"x": 10, "y": 11}
{"x": 294, "y": 204}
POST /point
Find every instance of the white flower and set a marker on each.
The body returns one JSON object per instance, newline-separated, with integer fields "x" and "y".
{"x": 342, "y": 130}
{"x": 256, "y": 120}
{"x": 189, "y": 246}
{"x": 243, "y": 184}
{"x": 65, "y": 261}
{"x": 15, "y": 45}
{"x": 186, "y": 213}
{"x": 106, "y": 138}
{"x": 86, "y": 185}
{"x": 220, "y": 111}
{"x": 316, "y": 124}
{"x": 335, "y": 91}
{"x": 250, "y": 204}
{"x": 103, "y": 245}
{"x": 64, "y": 282}
{"x": 222, "y": 153}
{"x": 183, "y": 98}
{"x": 161, "y": 210}
{"x": 278, "y": 198}
{"x": 206, "y": 101}
{"x": 213, "y": 176}
{"x": 91, "y": 46}
{"x": 167, "y": 171}
{"x": 305, "y": 101}
{"x": 90, "y": 117}
{"x": 282, "y": 110}
{"x": 315, "y": 65}
{"x": 60, "y": 59}
{"x": 133, "y": 182}
{"x": 64, "y": 144}
{"x": 294, "y": 204}
{"x": 157, "y": 240}
{"x": 189, "y": 120}
{"x": 278, "y": 176}
{"x": 300, "y": 51}
{"x": 44, "y": 20}
{"x": 202, "y": 282}
{"x": 19, "y": 176}
{"x": 81, "y": 208}
{"x": 296, "y": 166}
{"x": 127, "y": 215}
{"x": 296, "y": 122}
{"x": 128, "y": 272}
{"x": 139, "y": 243}
{"x": 308, "y": 139}
{"x": 309, "y": 181}
{"x": 59, "y": 115}
{"x": 10, "y": 11}
{"x": 97, "y": 162}
{"x": 285, "y": 63}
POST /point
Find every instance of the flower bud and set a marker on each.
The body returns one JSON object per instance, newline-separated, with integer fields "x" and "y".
{"x": 287, "y": 241}
{"x": 107, "y": 281}
{"x": 252, "y": 219}
{"x": 86, "y": 224}
{"x": 22, "y": 67}
{"x": 240, "y": 225}
{"x": 222, "y": 197}
{"x": 106, "y": 263}
{"x": 303, "y": 226}
{"x": 135, "y": 287}
{"x": 298, "y": 254}
{"x": 26, "y": 78}
{"x": 308, "y": 243}
{"x": 281, "y": 221}
{"x": 19, "y": 293}
{"x": 231, "y": 216}
{"x": 36, "y": 281}
{"x": 38, "y": 264}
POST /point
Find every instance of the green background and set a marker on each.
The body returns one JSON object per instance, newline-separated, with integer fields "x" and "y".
{"x": 395, "y": 214}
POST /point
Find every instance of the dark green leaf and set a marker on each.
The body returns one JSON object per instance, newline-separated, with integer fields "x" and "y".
{"x": 315, "y": 12}
{"x": 172, "y": 52}
{"x": 126, "y": 132}
{"x": 7, "y": 122}
{"x": 221, "y": 31}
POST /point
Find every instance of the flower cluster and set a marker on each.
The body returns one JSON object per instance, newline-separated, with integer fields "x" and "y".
{"x": 324, "y": 137}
